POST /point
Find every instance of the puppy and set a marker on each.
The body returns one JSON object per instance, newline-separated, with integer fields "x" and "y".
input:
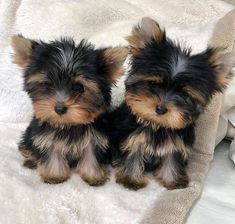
{"x": 69, "y": 85}
{"x": 167, "y": 88}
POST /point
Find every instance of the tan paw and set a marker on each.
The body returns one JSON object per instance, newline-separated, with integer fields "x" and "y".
{"x": 54, "y": 180}
{"x": 96, "y": 178}
{"x": 177, "y": 184}
{"x": 131, "y": 183}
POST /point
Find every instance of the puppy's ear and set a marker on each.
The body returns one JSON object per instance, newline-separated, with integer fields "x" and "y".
{"x": 146, "y": 32}
{"x": 222, "y": 63}
{"x": 114, "y": 59}
{"x": 22, "y": 50}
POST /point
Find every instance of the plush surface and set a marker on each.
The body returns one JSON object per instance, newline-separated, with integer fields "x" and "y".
{"x": 226, "y": 127}
{"x": 217, "y": 202}
{"x": 24, "y": 198}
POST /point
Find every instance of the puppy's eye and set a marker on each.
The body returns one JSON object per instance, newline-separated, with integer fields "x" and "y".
{"x": 153, "y": 83}
{"x": 78, "y": 88}
{"x": 45, "y": 85}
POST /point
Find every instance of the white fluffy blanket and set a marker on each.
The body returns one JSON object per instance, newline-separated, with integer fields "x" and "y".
{"x": 24, "y": 199}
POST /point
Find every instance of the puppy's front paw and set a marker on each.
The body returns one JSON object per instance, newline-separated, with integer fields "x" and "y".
{"x": 130, "y": 182}
{"x": 54, "y": 176}
{"x": 96, "y": 177}
{"x": 179, "y": 183}
{"x": 54, "y": 180}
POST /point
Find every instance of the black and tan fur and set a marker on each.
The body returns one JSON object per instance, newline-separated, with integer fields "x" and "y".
{"x": 69, "y": 85}
{"x": 167, "y": 88}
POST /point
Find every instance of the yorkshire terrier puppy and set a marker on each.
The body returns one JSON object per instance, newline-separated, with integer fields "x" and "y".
{"x": 69, "y": 86}
{"x": 167, "y": 88}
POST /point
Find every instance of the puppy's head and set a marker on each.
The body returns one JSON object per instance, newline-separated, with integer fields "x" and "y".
{"x": 69, "y": 84}
{"x": 167, "y": 86}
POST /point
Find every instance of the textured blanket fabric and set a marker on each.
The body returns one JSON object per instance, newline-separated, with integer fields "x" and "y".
{"x": 226, "y": 34}
{"x": 23, "y": 197}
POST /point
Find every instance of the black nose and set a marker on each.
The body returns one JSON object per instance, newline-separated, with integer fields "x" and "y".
{"x": 161, "y": 110}
{"x": 60, "y": 109}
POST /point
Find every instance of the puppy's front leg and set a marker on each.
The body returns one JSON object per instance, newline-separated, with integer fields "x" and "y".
{"x": 89, "y": 169}
{"x": 172, "y": 172}
{"x": 54, "y": 169}
{"x": 131, "y": 173}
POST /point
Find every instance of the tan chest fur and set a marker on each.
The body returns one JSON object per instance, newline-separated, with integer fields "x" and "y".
{"x": 140, "y": 142}
{"x": 50, "y": 142}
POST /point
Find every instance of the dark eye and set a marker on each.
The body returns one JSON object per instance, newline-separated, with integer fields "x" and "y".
{"x": 78, "y": 88}
{"x": 45, "y": 85}
{"x": 153, "y": 83}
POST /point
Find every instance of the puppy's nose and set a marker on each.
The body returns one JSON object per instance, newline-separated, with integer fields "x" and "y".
{"x": 160, "y": 110}
{"x": 60, "y": 109}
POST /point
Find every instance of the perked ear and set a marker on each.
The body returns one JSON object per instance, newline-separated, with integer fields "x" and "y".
{"x": 22, "y": 50}
{"x": 114, "y": 58}
{"x": 222, "y": 63}
{"x": 146, "y": 32}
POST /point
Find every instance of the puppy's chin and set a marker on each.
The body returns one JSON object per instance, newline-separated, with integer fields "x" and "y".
{"x": 75, "y": 115}
{"x": 171, "y": 120}
{"x": 145, "y": 110}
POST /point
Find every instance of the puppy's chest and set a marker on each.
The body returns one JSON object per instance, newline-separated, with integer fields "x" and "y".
{"x": 72, "y": 143}
{"x": 150, "y": 143}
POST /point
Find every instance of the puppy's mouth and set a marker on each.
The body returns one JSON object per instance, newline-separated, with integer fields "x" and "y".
{"x": 68, "y": 113}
